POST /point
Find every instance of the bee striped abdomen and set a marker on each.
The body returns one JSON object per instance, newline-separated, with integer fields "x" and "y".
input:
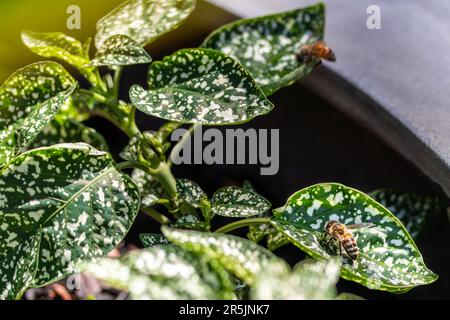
{"x": 351, "y": 248}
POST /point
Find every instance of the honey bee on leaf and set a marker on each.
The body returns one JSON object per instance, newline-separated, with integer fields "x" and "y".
{"x": 342, "y": 236}
{"x": 315, "y": 50}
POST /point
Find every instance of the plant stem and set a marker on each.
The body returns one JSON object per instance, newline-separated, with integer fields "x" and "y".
{"x": 117, "y": 76}
{"x": 166, "y": 178}
{"x": 176, "y": 149}
{"x": 156, "y": 215}
{"x": 134, "y": 164}
{"x": 240, "y": 224}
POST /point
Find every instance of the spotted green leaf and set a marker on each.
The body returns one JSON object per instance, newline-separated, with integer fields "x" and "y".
{"x": 267, "y": 45}
{"x": 152, "y": 192}
{"x": 153, "y": 239}
{"x": 58, "y": 206}
{"x": 310, "y": 280}
{"x": 276, "y": 239}
{"x": 200, "y": 86}
{"x": 191, "y": 192}
{"x": 143, "y": 20}
{"x": 120, "y": 50}
{"x": 411, "y": 209}
{"x": 243, "y": 258}
{"x": 388, "y": 260}
{"x": 133, "y": 150}
{"x": 165, "y": 273}
{"x": 56, "y": 45}
{"x": 62, "y": 130}
{"x": 190, "y": 222}
{"x": 29, "y": 99}
{"x": 238, "y": 202}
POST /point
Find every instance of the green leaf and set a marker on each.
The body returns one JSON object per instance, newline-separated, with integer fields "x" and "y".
{"x": 153, "y": 239}
{"x": 241, "y": 257}
{"x": 257, "y": 232}
{"x": 238, "y": 202}
{"x": 388, "y": 260}
{"x": 310, "y": 280}
{"x": 59, "y": 206}
{"x": 411, "y": 209}
{"x": 120, "y": 50}
{"x": 133, "y": 150}
{"x": 267, "y": 45}
{"x": 29, "y": 99}
{"x": 200, "y": 86}
{"x": 190, "y": 222}
{"x": 276, "y": 239}
{"x": 56, "y": 45}
{"x": 143, "y": 20}
{"x": 165, "y": 273}
{"x": 191, "y": 192}
{"x": 152, "y": 192}
{"x": 62, "y": 130}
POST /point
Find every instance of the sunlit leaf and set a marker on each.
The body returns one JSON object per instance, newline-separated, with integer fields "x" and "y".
{"x": 120, "y": 50}
{"x": 238, "y": 202}
{"x": 310, "y": 280}
{"x": 200, "y": 86}
{"x": 388, "y": 260}
{"x": 267, "y": 45}
{"x": 143, "y": 20}
{"x": 165, "y": 273}
{"x": 29, "y": 99}
{"x": 244, "y": 258}
{"x": 56, "y": 45}
{"x": 58, "y": 206}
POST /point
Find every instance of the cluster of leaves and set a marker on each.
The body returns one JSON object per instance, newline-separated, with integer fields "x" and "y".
{"x": 64, "y": 201}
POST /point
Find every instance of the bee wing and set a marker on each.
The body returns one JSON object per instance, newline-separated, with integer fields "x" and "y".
{"x": 359, "y": 226}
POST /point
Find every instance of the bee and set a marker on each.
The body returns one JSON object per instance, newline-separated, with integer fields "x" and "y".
{"x": 342, "y": 235}
{"x": 315, "y": 50}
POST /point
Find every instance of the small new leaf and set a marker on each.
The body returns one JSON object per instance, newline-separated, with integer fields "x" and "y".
{"x": 153, "y": 239}
{"x": 143, "y": 20}
{"x": 238, "y": 202}
{"x": 120, "y": 50}
{"x": 151, "y": 189}
{"x": 267, "y": 45}
{"x": 200, "y": 86}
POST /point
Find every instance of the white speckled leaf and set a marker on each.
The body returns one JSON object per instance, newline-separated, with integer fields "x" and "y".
{"x": 143, "y": 20}
{"x": 266, "y": 46}
{"x": 29, "y": 99}
{"x": 200, "y": 86}
{"x": 151, "y": 190}
{"x": 191, "y": 192}
{"x": 153, "y": 239}
{"x": 388, "y": 260}
{"x": 411, "y": 209}
{"x": 165, "y": 273}
{"x": 56, "y": 45}
{"x": 62, "y": 130}
{"x": 59, "y": 206}
{"x": 276, "y": 239}
{"x": 190, "y": 222}
{"x": 244, "y": 258}
{"x": 120, "y": 50}
{"x": 310, "y": 280}
{"x": 238, "y": 202}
